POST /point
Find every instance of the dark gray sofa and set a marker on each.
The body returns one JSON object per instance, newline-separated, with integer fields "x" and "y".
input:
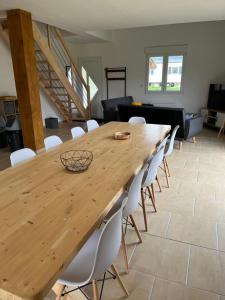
{"x": 110, "y": 107}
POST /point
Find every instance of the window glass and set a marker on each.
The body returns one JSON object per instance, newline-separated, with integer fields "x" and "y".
{"x": 174, "y": 73}
{"x": 155, "y": 73}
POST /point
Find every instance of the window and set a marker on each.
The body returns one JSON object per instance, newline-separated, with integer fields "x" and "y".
{"x": 165, "y": 68}
{"x": 155, "y": 73}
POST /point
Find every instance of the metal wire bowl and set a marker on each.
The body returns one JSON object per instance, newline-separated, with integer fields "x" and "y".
{"x": 76, "y": 160}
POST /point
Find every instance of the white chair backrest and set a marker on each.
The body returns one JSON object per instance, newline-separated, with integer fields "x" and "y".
{"x": 77, "y": 132}
{"x": 155, "y": 162}
{"x": 134, "y": 194}
{"x": 169, "y": 150}
{"x": 163, "y": 143}
{"x": 137, "y": 120}
{"x": 21, "y": 155}
{"x": 108, "y": 245}
{"x": 151, "y": 171}
{"x": 92, "y": 125}
{"x": 52, "y": 141}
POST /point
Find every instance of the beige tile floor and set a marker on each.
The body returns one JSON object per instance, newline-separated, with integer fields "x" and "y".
{"x": 182, "y": 256}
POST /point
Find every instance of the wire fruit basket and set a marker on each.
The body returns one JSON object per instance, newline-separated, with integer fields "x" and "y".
{"x": 76, "y": 160}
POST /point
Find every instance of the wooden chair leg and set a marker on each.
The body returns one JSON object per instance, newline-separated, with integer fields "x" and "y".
{"x": 119, "y": 280}
{"x": 136, "y": 229}
{"x": 124, "y": 249}
{"x": 165, "y": 171}
{"x": 95, "y": 290}
{"x": 194, "y": 139}
{"x": 157, "y": 179}
{"x": 60, "y": 289}
{"x": 144, "y": 209}
{"x": 221, "y": 129}
{"x": 167, "y": 167}
{"x": 180, "y": 145}
{"x": 152, "y": 196}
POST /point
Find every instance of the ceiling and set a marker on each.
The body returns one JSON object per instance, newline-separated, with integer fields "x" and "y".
{"x": 86, "y": 15}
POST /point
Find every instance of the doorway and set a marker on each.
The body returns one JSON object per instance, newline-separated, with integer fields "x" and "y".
{"x": 91, "y": 71}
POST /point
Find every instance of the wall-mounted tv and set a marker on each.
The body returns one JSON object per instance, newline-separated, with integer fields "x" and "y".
{"x": 216, "y": 99}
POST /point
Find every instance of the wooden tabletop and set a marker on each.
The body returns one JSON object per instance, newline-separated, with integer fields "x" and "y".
{"x": 47, "y": 213}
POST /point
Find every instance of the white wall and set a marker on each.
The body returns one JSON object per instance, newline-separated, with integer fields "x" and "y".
{"x": 205, "y": 61}
{"x": 7, "y": 83}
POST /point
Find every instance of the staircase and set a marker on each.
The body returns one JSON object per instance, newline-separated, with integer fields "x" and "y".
{"x": 59, "y": 77}
{"x": 58, "y": 74}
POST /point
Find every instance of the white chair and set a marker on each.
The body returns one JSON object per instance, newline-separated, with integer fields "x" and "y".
{"x": 137, "y": 120}
{"x": 131, "y": 200}
{"x": 168, "y": 151}
{"x": 95, "y": 258}
{"x": 52, "y": 141}
{"x": 150, "y": 176}
{"x": 21, "y": 155}
{"x": 92, "y": 125}
{"x": 77, "y": 132}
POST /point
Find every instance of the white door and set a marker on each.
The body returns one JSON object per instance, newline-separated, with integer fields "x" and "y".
{"x": 91, "y": 70}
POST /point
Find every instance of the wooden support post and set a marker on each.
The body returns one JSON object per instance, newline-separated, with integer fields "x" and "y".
{"x": 26, "y": 77}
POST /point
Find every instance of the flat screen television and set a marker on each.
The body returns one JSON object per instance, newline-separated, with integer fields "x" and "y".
{"x": 216, "y": 98}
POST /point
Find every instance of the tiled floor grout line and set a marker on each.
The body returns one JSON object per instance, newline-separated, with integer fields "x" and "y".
{"x": 195, "y": 199}
{"x": 198, "y": 177}
{"x": 186, "y": 243}
{"x": 168, "y": 224}
{"x": 189, "y": 286}
{"x": 217, "y": 237}
{"x": 132, "y": 253}
{"x": 150, "y": 295}
{"x": 188, "y": 264}
{"x": 177, "y": 282}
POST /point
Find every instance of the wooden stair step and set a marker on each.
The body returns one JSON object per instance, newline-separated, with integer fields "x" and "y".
{"x": 46, "y": 71}
{"x": 54, "y": 87}
{"x": 42, "y": 61}
{"x": 53, "y": 79}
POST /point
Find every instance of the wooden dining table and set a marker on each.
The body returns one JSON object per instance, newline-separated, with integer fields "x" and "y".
{"x": 47, "y": 213}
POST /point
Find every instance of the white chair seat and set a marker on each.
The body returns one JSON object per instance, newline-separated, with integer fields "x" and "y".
{"x": 79, "y": 270}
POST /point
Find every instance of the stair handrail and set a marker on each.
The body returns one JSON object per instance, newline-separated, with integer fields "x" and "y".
{"x": 58, "y": 33}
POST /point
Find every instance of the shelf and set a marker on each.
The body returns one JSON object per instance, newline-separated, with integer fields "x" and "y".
{"x": 8, "y": 98}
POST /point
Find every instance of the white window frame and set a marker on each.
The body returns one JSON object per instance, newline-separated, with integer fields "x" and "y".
{"x": 165, "y": 51}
